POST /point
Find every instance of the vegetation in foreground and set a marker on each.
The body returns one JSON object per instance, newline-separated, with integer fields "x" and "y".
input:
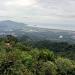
{"x": 21, "y": 58}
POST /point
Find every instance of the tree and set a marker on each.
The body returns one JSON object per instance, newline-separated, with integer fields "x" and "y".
{"x": 65, "y": 66}
{"x": 48, "y": 68}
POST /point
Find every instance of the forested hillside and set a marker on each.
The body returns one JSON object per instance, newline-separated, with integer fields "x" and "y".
{"x": 25, "y": 57}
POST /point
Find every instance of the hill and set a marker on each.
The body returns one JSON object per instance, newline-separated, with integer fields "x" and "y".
{"x": 35, "y": 33}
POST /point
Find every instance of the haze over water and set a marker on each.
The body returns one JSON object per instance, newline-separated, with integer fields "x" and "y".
{"x": 55, "y": 26}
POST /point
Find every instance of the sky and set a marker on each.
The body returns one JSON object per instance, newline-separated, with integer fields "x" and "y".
{"x": 46, "y": 13}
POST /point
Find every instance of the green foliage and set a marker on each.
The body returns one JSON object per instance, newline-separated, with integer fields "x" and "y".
{"x": 20, "y": 58}
{"x": 47, "y": 55}
{"x": 48, "y": 68}
{"x": 65, "y": 66}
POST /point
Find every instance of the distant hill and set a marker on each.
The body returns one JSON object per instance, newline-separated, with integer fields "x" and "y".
{"x": 35, "y": 33}
{"x": 10, "y": 25}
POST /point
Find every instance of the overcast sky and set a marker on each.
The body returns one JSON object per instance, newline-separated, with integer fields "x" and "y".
{"x": 39, "y": 11}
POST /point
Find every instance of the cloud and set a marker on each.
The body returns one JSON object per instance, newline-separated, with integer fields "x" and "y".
{"x": 20, "y": 3}
{"x": 36, "y": 10}
{"x": 60, "y": 8}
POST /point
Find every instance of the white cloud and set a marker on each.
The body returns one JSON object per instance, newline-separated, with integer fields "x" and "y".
{"x": 39, "y": 10}
{"x": 20, "y": 3}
